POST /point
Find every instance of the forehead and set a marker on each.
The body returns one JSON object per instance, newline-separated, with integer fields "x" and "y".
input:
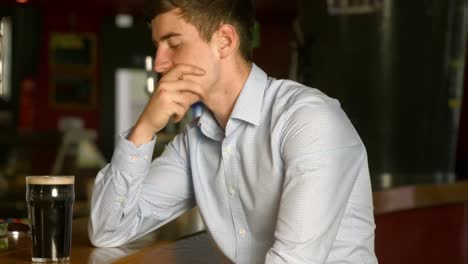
{"x": 171, "y": 22}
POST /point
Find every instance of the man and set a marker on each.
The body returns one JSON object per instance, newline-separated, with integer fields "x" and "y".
{"x": 277, "y": 170}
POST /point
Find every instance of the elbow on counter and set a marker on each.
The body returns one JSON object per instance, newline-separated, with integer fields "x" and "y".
{"x": 104, "y": 239}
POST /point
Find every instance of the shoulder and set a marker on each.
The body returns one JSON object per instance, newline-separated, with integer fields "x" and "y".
{"x": 287, "y": 95}
{"x": 291, "y": 99}
{"x": 299, "y": 109}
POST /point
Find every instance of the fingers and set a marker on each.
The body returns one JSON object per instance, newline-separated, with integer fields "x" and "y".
{"x": 176, "y": 103}
{"x": 177, "y": 90}
{"x": 186, "y": 99}
{"x": 182, "y": 106}
{"x": 178, "y": 72}
{"x": 179, "y": 113}
{"x": 181, "y": 86}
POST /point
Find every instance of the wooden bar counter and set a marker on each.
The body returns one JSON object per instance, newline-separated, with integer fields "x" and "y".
{"x": 414, "y": 224}
{"x": 196, "y": 248}
{"x": 422, "y": 224}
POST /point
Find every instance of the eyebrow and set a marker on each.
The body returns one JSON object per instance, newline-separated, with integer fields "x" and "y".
{"x": 166, "y": 37}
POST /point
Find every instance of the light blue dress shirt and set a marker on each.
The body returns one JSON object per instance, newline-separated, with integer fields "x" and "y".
{"x": 287, "y": 181}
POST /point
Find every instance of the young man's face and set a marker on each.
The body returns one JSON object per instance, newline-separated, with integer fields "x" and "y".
{"x": 179, "y": 42}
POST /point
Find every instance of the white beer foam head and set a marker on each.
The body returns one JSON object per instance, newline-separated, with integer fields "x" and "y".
{"x": 50, "y": 180}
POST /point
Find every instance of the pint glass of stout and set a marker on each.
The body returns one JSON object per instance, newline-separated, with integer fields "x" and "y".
{"x": 50, "y": 210}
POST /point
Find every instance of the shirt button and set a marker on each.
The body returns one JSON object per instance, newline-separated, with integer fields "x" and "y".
{"x": 146, "y": 157}
{"x": 228, "y": 150}
{"x": 232, "y": 191}
{"x": 242, "y": 232}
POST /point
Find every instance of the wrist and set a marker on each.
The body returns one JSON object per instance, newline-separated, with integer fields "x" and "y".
{"x": 141, "y": 134}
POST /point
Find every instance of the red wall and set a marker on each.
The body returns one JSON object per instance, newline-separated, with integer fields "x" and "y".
{"x": 46, "y": 114}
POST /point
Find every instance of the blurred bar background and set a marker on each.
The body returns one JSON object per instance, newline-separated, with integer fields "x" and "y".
{"x": 398, "y": 71}
{"x": 77, "y": 74}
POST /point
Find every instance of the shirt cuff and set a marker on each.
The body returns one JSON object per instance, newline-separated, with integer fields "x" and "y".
{"x": 129, "y": 158}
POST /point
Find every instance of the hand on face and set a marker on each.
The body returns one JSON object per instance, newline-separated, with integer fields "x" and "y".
{"x": 176, "y": 91}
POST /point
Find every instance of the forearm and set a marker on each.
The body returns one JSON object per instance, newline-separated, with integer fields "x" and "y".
{"x": 133, "y": 196}
{"x": 111, "y": 215}
{"x": 115, "y": 214}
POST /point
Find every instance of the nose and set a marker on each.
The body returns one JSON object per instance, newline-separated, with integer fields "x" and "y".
{"x": 162, "y": 61}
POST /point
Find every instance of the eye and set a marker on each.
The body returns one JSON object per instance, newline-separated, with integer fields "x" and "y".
{"x": 174, "y": 46}
{"x": 174, "y": 43}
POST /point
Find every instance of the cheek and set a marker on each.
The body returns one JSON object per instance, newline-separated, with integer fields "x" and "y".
{"x": 192, "y": 56}
{"x": 201, "y": 56}
{"x": 206, "y": 60}
{"x": 212, "y": 75}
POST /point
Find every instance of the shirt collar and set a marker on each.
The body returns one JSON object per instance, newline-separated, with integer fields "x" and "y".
{"x": 249, "y": 104}
{"x": 209, "y": 126}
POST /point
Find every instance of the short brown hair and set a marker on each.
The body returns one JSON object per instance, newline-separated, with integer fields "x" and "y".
{"x": 208, "y": 15}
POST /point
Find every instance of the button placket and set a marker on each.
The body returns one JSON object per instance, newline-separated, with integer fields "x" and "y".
{"x": 242, "y": 232}
{"x": 232, "y": 191}
{"x": 120, "y": 200}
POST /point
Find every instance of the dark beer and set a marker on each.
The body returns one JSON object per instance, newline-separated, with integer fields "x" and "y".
{"x": 50, "y": 208}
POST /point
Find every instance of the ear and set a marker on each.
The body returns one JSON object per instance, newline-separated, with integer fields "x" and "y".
{"x": 227, "y": 40}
